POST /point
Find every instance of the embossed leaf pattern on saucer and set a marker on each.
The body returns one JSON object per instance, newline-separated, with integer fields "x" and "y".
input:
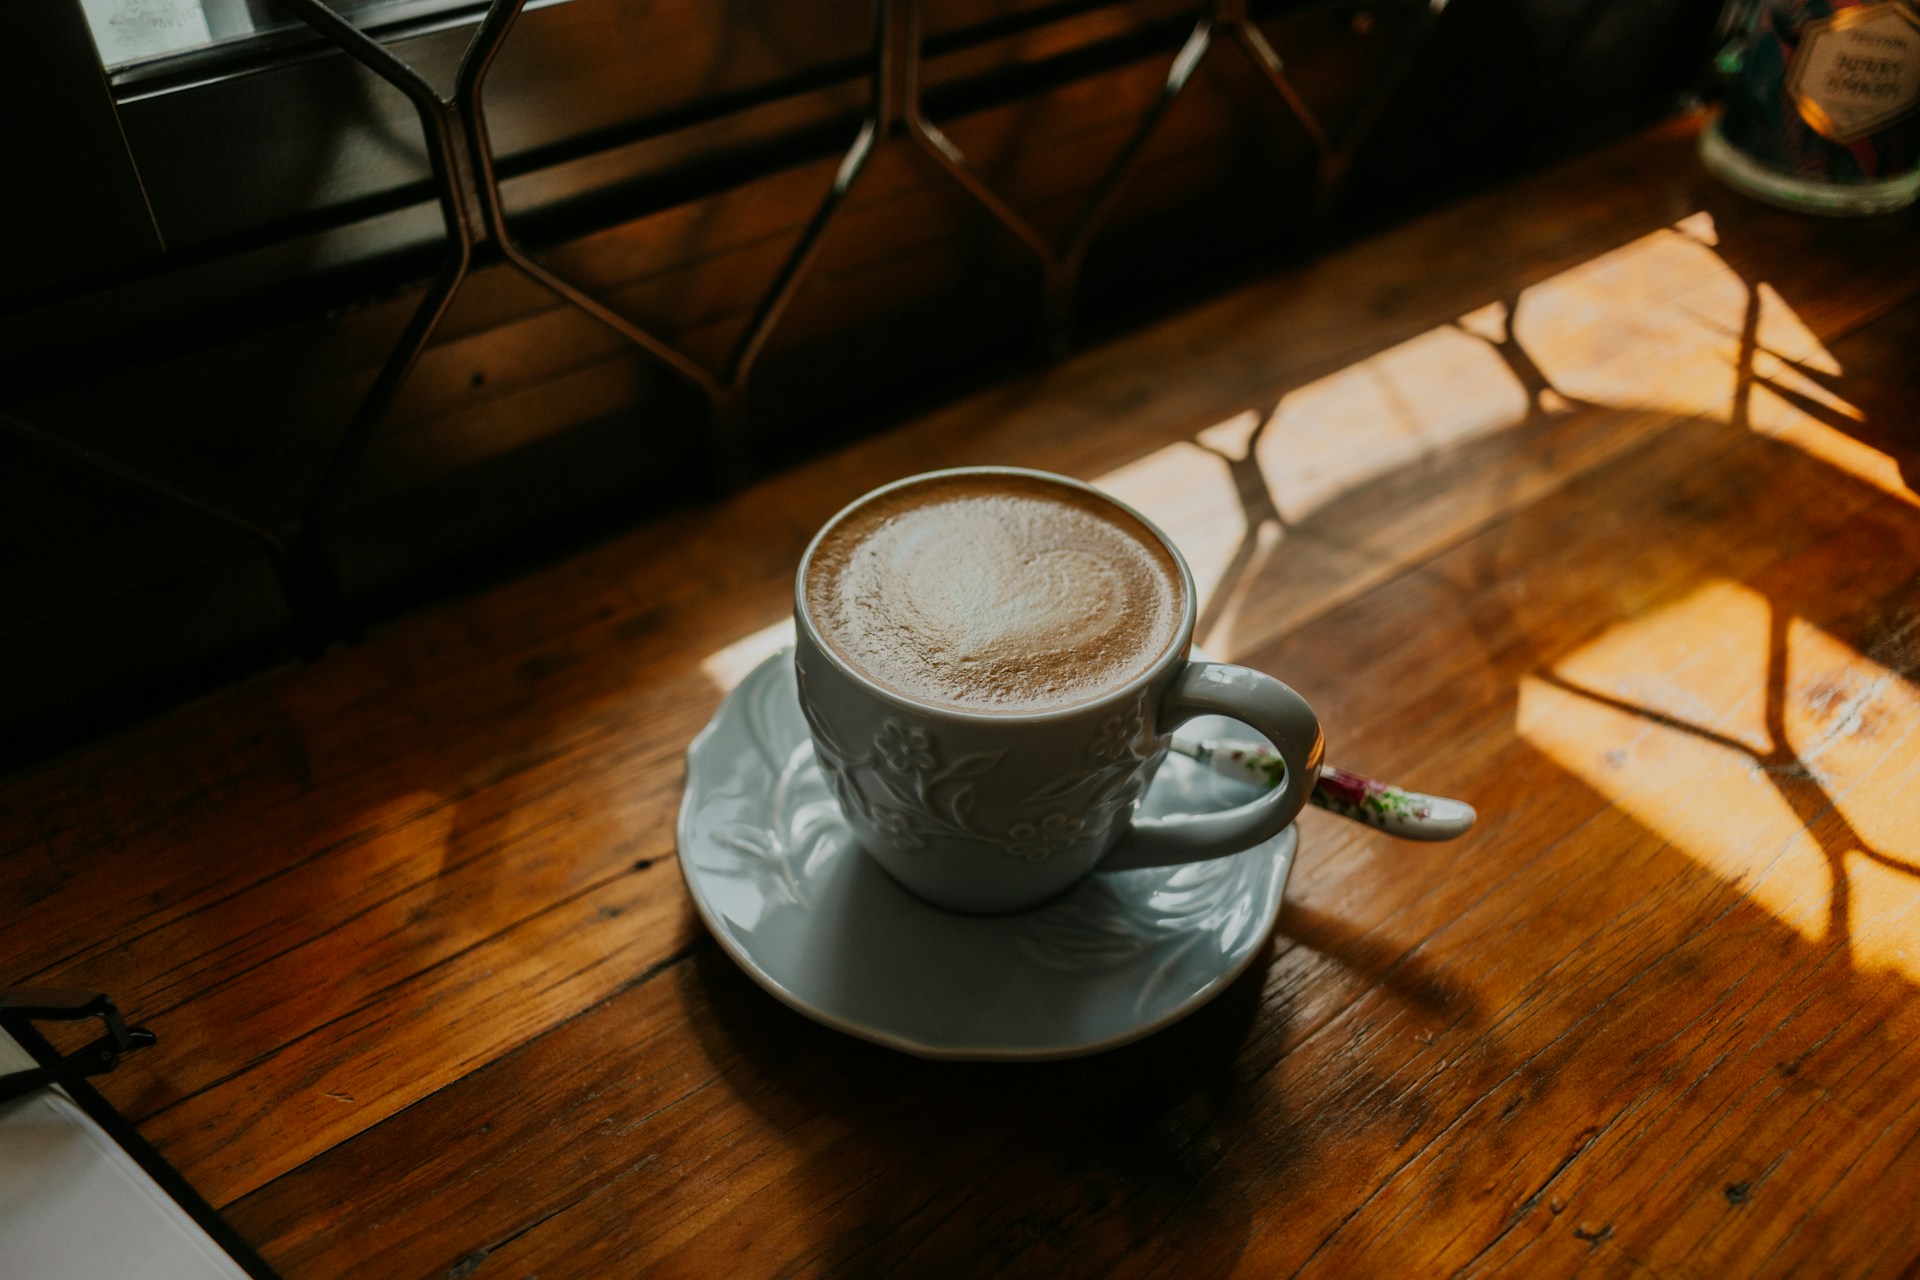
{"x": 1105, "y": 922}
{"x": 777, "y": 876}
{"x": 793, "y": 818}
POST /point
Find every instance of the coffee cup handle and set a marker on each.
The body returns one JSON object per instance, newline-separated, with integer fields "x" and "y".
{"x": 1279, "y": 714}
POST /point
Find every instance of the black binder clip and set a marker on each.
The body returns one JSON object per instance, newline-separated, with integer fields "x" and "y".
{"x": 49, "y": 1004}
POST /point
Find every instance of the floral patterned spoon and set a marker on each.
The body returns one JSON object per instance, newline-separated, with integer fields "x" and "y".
{"x": 1407, "y": 814}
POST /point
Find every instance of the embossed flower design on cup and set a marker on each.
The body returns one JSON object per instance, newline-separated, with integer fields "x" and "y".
{"x": 895, "y": 823}
{"x": 1030, "y": 841}
{"x": 1118, "y": 736}
{"x": 905, "y": 751}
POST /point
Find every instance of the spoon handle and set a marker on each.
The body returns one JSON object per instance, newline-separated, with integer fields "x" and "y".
{"x": 1411, "y": 815}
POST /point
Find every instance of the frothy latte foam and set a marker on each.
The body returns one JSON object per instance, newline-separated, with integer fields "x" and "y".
{"x": 995, "y": 593}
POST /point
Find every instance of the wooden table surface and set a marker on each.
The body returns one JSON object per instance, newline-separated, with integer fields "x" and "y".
{"x": 1591, "y": 500}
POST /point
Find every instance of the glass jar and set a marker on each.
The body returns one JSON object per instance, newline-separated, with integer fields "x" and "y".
{"x": 1823, "y": 109}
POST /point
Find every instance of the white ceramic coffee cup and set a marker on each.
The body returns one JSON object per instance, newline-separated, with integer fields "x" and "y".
{"x": 988, "y": 811}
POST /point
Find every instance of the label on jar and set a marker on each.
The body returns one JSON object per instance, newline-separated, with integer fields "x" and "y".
{"x": 1857, "y": 71}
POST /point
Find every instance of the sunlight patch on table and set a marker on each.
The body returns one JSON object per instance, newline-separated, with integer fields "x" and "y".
{"x": 1851, "y": 721}
{"x": 1417, "y": 400}
{"x": 1792, "y": 399}
{"x": 1188, "y": 490}
{"x": 1217, "y": 638}
{"x": 1783, "y": 335}
{"x": 1689, "y": 754}
{"x": 1700, "y": 226}
{"x": 1488, "y": 323}
{"x": 1659, "y": 324}
{"x": 1665, "y": 323}
{"x": 1775, "y": 416}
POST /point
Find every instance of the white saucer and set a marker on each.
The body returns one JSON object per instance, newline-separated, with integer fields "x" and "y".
{"x": 777, "y": 877}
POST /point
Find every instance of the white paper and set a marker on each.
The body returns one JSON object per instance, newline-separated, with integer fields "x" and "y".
{"x": 129, "y": 30}
{"x": 75, "y": 1206}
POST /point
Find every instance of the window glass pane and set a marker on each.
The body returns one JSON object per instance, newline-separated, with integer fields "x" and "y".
{"x": 128, "y": 32}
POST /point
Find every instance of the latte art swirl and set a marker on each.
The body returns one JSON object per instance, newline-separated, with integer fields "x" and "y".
{"x": 995, "y": 592}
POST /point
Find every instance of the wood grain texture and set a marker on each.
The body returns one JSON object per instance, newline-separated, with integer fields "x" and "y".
{"x": 1591, "y": 500}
